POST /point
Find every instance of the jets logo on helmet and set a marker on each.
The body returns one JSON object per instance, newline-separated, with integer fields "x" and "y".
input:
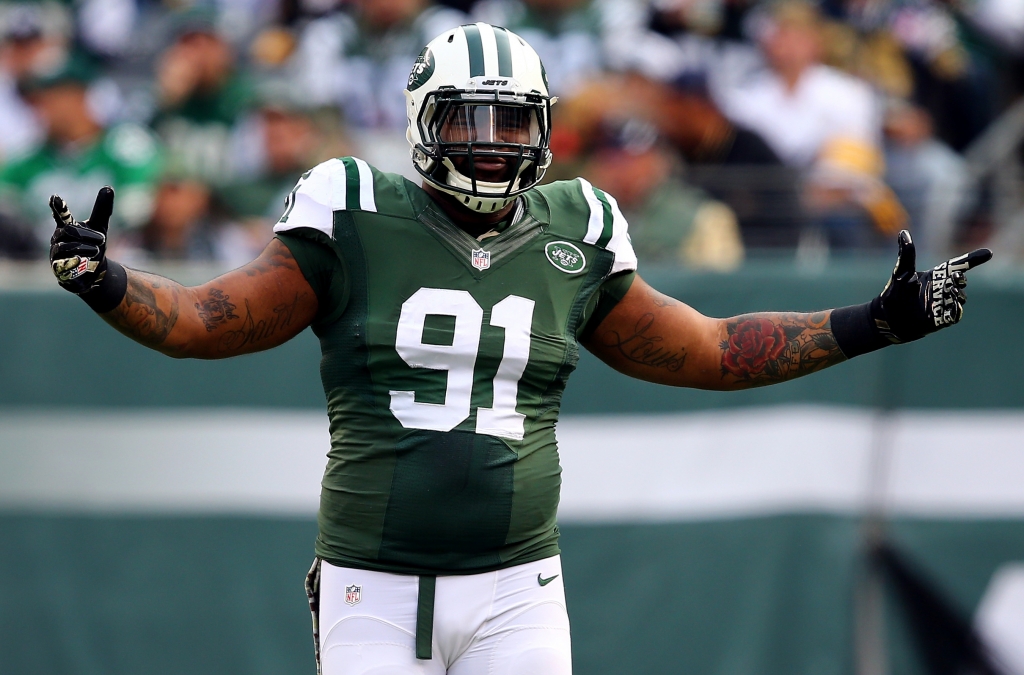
{"x": 421, "y": 70}
{"x": 479, "y": 116}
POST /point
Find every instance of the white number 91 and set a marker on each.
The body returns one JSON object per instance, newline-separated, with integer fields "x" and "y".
{"x": 514, "y": 314}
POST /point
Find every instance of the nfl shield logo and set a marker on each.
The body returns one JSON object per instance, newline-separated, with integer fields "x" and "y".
{"x": 481, "y": 259}
{"x": 82, "y": 268}
{"x": 353, "y": 594}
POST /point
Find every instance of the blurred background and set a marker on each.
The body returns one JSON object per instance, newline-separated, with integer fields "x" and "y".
{"x": 157, "y": 516}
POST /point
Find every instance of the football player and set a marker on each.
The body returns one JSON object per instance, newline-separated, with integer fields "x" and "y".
{"x": 449, "y": 316}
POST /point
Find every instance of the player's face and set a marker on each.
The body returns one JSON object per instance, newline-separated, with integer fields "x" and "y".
{"x": 499, "y": 124}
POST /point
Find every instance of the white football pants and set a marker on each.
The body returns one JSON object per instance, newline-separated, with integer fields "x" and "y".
{"x": 496, "y": 623}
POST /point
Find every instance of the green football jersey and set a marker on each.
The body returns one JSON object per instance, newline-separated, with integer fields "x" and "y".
{"x": 444, "y": 362}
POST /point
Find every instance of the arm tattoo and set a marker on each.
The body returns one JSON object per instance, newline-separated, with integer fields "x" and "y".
{"x": 216, "y": 309}
{"x": 140, "y": 315}
{"x": 153, "y": 306}
{"x": 640, "y": 346}
{"x": 255, "y": 330}
{"x": 768, "y": 348}
{"x": 280, "y": 256}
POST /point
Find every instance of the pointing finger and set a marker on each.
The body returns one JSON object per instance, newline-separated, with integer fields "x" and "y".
{"x": 979, "y": 257}
{"x": 61, "y": 212}
{"x": 906, "y": 261}
{"x": 102, "y": 209}
{"x": 970, "y": 260}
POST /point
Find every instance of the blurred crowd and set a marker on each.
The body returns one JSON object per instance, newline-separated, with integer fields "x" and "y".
{"x": 725, "y": 128}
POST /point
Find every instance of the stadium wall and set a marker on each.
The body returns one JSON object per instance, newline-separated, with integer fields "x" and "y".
{"x": 157, "y": 516}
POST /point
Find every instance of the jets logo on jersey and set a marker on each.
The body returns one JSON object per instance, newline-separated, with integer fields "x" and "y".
{"x": 353, "y": 594}
{"x": 481, "y": 259}
{"x": 565, "y": 257}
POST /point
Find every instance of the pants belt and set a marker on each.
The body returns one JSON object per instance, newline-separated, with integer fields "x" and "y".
{"x": 425, "y": 617}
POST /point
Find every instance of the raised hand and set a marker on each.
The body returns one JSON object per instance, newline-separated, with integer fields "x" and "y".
{"x": 913, "y": 303}
{"x": 78, "y": 249}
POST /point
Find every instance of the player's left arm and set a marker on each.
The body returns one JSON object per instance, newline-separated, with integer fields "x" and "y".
{"x": 656, "y": 338}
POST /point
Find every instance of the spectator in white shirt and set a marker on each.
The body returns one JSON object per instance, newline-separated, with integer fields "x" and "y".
{"x": 822, "y": 122}
{"x": 797, "y": 104}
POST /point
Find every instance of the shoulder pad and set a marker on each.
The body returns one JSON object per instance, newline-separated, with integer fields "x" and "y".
{"x": 594, "y": 218}
{"x": 345, "y": 184}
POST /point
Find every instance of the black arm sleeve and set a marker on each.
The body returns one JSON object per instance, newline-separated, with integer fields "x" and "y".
{"x": 604, "y": 301}
{"x": 856, "y": 331}
{"x": 324, "y": 269}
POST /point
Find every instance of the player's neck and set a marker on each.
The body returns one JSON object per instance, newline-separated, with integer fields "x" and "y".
{"x": 471, "y": 222}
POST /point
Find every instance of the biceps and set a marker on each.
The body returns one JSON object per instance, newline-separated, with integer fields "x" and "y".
{"x": 653, "y": 337}
{"x": 255, "y": 307}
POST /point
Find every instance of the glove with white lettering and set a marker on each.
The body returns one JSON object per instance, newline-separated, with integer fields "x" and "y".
{"x": 78, "y": 254}
{"x": 912, "y": 304}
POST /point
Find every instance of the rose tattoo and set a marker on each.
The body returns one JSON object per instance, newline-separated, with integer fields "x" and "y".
{"x": 765, "y": 348}
{"x": 751, "y": 345}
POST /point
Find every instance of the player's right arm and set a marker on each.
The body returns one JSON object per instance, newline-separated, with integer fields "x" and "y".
{"x": 255, "y": 307}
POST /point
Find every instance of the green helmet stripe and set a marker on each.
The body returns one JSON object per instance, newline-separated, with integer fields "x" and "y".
{"x": 504, "y": 52}
{"x": 606, "y": 232}
{"x": 351, "y": 184}
{"x": 476, "y": 50}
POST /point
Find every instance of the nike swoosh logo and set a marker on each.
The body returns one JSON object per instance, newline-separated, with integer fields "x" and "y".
{"x": 544, "y": 582}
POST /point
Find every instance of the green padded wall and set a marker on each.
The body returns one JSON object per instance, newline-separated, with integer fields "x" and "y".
{"x": 981, "y": 355}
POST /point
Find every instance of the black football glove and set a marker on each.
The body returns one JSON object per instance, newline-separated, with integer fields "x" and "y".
{"x": 913, "y": 303}
{"x": 78, "y": 249}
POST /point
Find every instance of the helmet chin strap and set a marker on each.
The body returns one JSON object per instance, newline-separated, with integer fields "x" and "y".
{"x": 478, "y": 203}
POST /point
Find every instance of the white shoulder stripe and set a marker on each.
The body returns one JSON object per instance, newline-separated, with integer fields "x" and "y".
{"x": 490, "y": 45}
{"x": 596, "y": 223}
{"x": 619, "y": 244}
{"x": 366, "y": 199}
{"x": 618, "y": 224}
{"x": 336, "y": 173}
{"x": 309, "y": 204}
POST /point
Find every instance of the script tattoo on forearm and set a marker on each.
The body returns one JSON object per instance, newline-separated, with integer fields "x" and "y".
{"x": 253, "y": 330}
{"x": 216, "y": 309}
{"x": 642, "y": 345}
{"x": 767, "y": 348}
{"x": 142, "y": 315}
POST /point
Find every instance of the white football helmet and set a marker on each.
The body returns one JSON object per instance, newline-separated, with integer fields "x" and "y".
{"x": 479, "y": 93}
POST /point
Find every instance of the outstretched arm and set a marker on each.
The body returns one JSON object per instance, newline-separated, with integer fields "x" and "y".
{"x": 653, "y": 337}
{"x": 255, "y": 307}
{"x": 252, "y": 308}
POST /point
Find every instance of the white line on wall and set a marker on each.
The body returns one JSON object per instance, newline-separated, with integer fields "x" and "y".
{"x": 716, "y": 464}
